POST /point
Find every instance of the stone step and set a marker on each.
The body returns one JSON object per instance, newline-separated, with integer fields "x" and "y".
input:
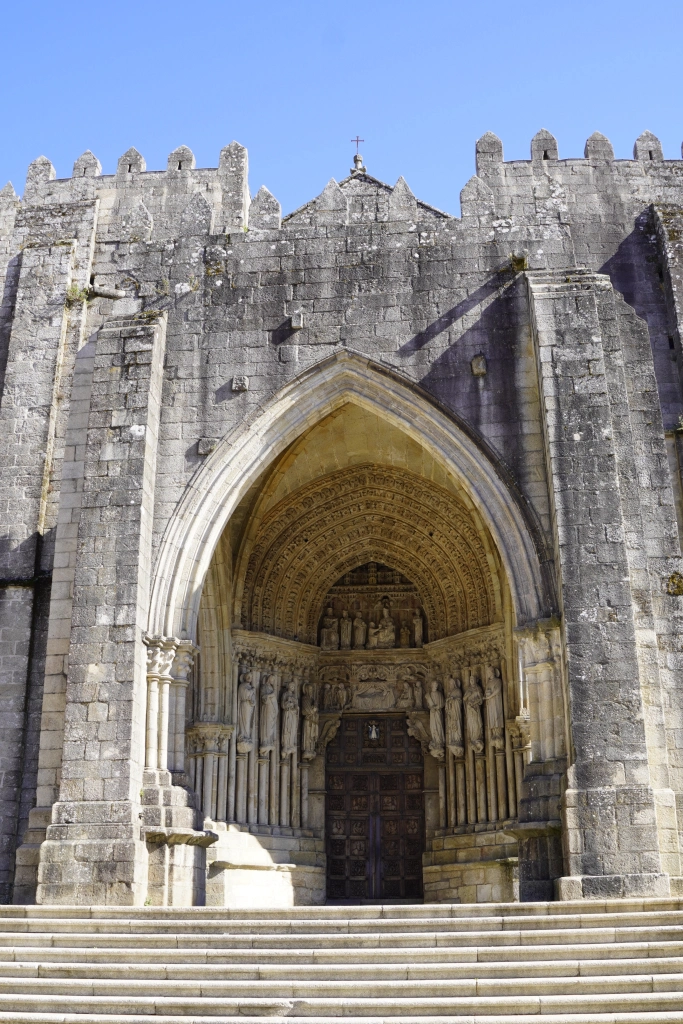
{"x": 511, "y": 968}
{"x": 638, "y": 1017}
{"x": 374, "y": 992}
{"x": 224, "y": 940}
{"x": 435, "y": 911}
{"x": 163, "y": 953}
{"x": 338, "y": 926}
{"x": 531, "y": 1005}
{"x": 350, "y": 973}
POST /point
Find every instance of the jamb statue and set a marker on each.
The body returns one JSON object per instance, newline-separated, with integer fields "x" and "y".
{"x": 290, "y": 719}
{"x": 268, "y": 719}
{"x": 309, "y": 733}
{"x": 246, "y": 702}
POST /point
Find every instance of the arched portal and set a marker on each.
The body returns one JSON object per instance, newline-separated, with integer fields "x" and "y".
{"x": 352, "y": 557}
{"x": 237, "y": 464}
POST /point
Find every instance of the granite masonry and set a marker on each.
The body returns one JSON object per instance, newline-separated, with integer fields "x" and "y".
{"x": 340, "y": 551}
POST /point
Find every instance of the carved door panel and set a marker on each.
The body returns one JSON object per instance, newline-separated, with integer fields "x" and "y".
{"x": 374, "y": 811}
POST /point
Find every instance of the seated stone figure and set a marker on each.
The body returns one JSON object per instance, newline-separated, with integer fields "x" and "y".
{"x": 386, "y": 630}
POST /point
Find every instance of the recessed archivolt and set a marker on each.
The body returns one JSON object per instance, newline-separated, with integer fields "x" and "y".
{"x": 369, "y": 513}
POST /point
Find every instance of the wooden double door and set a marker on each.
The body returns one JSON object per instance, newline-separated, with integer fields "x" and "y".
{"x": 374, "y": 819}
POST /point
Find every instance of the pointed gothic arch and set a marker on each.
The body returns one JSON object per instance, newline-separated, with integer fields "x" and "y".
{"x": 344, "y": 377}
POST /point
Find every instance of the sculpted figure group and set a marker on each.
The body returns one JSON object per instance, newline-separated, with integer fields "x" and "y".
{"x": 459, "y": 714}
{"x": 268, "y": 717}
{"x": 345, "y": 633}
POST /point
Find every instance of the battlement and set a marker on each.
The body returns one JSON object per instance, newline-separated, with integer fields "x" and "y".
{"x": 227, "y": 203}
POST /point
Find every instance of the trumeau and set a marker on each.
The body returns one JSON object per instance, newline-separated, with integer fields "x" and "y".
{"x": 217, "y": 420}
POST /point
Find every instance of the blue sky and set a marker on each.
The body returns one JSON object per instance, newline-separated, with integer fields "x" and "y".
{"x": 295, "y": 81}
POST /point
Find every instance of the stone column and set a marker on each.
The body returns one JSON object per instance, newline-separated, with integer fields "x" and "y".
{"x": 222, "y": 793}
{"x": 610, "y": 823}
{"x": 443, "y": 821}
{"x": 160, "y": 655}
{"x": 231, "y": 814}
{"x": 94, "y": 851}
{"x": 182, "y": 667}
{"x": 303, "y": 771}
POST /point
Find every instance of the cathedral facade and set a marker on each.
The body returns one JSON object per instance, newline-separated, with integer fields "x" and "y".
{"x": 341, "y": 552}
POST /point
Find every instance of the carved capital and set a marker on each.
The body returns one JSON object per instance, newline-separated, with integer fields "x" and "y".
{"x": 183, "y": 661}
{"x": 160, "y": 655}
{"x": 520, "y": 732}
{"x": 209, "y": 737}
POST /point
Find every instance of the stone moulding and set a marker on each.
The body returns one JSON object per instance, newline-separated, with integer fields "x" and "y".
{"x": 179, "y": 836}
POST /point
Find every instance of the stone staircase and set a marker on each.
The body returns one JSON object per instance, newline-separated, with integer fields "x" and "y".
{"x": 602, "y": 962}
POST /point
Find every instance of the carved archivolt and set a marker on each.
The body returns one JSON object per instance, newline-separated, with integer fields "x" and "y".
{"x": 311, "y": 538}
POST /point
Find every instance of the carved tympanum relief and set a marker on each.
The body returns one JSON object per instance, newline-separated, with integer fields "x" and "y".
{"x": 361, "y": 685}
{"x": 374, "y": 607}
{"x": 323, "y": 532}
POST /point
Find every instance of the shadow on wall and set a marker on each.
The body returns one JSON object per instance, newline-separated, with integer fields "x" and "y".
{"x": 491, "y": 403}
{"x": 451, "y": 317}
{"x": 636, "y": 272}
{"x": 627, "y": 270}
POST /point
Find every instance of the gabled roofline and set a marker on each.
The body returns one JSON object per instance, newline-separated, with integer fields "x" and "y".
{"x": 372, "y": 181}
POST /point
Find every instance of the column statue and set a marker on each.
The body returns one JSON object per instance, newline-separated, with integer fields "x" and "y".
{"x": 345, "y": 630}
{"x": 435, "y": 702}
{"x": 290, "y": 719}
{"x": 495, "y": 717}
{"x": 454, "y": 737}
{"x": 246, "y": 702}
{"x": 359, "y": 632}
{"x": 268, "y": 718}
{"x": 329, "y": 633}
{"x": 417, "y": 628}
{"x": 309, "y": 711}
{"x": 473, "y": 699}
